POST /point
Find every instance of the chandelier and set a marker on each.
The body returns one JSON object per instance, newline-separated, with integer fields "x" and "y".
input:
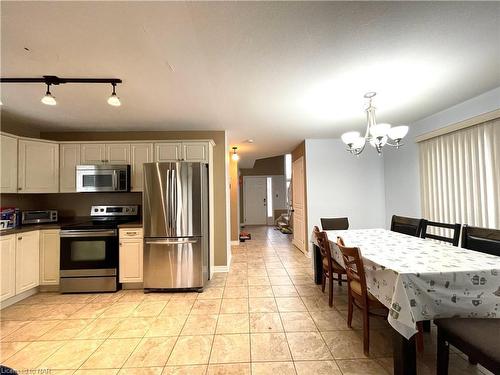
{"x": 377, "y": 135}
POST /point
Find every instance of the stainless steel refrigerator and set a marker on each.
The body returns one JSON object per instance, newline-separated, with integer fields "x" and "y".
{"x": 175, "y": 217}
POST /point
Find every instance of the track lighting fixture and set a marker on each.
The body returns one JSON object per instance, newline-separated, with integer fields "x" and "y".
{"x": 113, "y": 99}
{"x": 48, "y": 99}
{"x": 235, "y": 156}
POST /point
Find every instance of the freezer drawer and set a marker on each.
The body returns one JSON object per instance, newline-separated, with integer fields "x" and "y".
{"x": 173, "y": 263}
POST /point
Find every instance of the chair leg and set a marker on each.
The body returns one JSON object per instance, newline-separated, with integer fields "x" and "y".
{"x": 339, "y": 277}
{"x": 366, "y": 331}
{"x": 443, "y": 352}
{"x": 323, "y": 283}
{"x": 330, "y": 290}
{"x": 349, "y": 310}
{"x": 426, "y": 325}
{"x": 420, "y": 337}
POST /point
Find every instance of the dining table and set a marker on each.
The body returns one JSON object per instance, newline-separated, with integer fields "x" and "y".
{"x": 420, "y": 280}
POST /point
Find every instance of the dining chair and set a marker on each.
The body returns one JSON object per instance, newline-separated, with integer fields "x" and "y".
{"x": 484, "y": 240}
{"x": 330, "y": 266}
{"x": 358, "y": 294}
{"x": 477, "y": 338}
{"x": 334, "y": 223}
{"x": 455, "y": 228}
{"x": 406, "y": 225}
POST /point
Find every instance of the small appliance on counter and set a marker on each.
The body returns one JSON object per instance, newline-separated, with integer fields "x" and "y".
{"x": 38, "y": 216}
{"x": 89, "y": 250}
{"x": 9, "y": 217}
{"x": 102, "y": 178}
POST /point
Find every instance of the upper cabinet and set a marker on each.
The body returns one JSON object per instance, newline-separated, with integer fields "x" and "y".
{"x": 140, "y": 153}
{"x": 93, "y": 153}
{"x": 171, "y": 151}
{"x": 118, "y": 153}
{"x": 69, "y": 158}
{"x": 195, "y": 151}
{"x": 8, "y": 171}
{"x": 38, "y": 166}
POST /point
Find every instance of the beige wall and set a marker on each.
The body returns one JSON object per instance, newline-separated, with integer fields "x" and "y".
{"x": 220, "y": 173}
{"x": 234, "y": 199}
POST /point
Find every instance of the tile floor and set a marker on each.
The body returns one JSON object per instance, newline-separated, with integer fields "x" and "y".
{"x": 266, "y": 316}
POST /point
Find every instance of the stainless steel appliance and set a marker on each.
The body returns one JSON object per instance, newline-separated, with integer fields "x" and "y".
{"x": 89, "y": 250}
{"x": 175, "y": 223}
{"x": 37, "y": 217}
{"x": 105, "y": 177}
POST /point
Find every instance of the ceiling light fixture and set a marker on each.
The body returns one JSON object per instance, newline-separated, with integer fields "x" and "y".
{"x": 48, "y": 99}
{"x": 376, "y": 135}
{"x": 235, "y": 155}
{"x": 114, "y": 100}
{"x": 54, "y": 80}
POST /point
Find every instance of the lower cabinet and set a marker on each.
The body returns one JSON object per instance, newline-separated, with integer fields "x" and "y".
{"x": 7, "y": 266}
{"x": 27, "y": 261}
{"x": 131, "y": 256}
{"x": 49, "y": 256}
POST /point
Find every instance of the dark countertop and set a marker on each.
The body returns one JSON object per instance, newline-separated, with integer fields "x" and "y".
{"x": 133, "y": 224}
{"x": 29, "y": 228}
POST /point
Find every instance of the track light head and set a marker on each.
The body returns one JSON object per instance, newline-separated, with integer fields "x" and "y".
{"x": 48, "y": 99}
{"x": 113, "y": 99}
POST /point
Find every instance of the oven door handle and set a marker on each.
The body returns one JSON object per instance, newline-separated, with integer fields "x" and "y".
{"x": 89, "y": 233}
{"x": 171, "y": 242}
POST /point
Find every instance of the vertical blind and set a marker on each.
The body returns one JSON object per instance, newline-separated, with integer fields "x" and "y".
{"x": 460, "y": 176}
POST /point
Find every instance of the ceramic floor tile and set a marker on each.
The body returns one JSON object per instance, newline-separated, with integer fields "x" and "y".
{"x": 262, "y": 305}
{"x": 265, "y": 322}
{"x": 132, "y": 327}
{"x": 90, "y": 311}
{"x": 177, "y": 307}
{"x": 329, "y": 320}
{"x": 317, "y": 368}
{"x": 32, "y": 355}
{"x": 151, "y": 352}
{"x": 185, "y": 370}
{"x": 149, "y": 309}
{"x": 141, "y": 371}
{"x": 233, "y": 323}
{"x": 273, "y": 368}
{"x": 206, "y": 306}
{"x": 9, "y": 326}
{"x": 66, "y": 329}
{"x": 345, "y": 344}
{"x": 210, "y": 293}
{"x": 259, "y": 291}
{"x": 109, "y": 371}
{"x": 72, "y": 354}
{"x": 99, "y": 329}
{"x": 120, "y": 310}
{"x": 308, "y": 346}
{"x": 230, "y": 369}
{"x": 8, "y": 349}
{"x": 235, "y": 292}
{"x": 361, "y": 367}
{"x": 230, "y": 348}
{"x": 234, "y": 306}
{"x": 32, "y": 331}
{"x": 200, "y": 325}
{"x": 167, "y": 325}
{"x": 297, "y": 322}
{"x": 111, "y": 354}
{"x": 269, "y": 347}
{"x": 190, "y": 350}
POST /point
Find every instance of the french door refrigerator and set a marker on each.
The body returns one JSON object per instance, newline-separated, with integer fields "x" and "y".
{"x": 175, "y": 220}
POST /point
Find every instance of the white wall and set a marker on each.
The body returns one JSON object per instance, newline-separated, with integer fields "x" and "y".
{"x": 340, "y": 184}
{"x": 401, "y": 167}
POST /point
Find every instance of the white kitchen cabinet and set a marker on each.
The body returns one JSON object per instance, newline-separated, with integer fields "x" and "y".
{"x": 38, "y": 167}
{"x": 7, "y": 266}
{"x": 118, "y": 153}
{"x": 69, "y": 158}
{"x": 92, "y": 153}
{"x": 8, "y": 160}
{"x": 131, "y": 255}
{"x": 49, "y": 257}
{"x": 27, "y": 261}
{"x": 171, "y": 151}
{"x": 140, "y": 153}
{"x": 195, "y": 151}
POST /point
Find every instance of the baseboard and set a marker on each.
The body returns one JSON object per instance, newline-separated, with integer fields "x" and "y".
{"x": 10, "y": 301}
{"x": 132, "y": 286}
{"x": 221, "y": 269}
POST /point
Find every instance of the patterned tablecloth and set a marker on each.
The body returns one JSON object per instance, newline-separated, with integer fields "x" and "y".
{"x": 421, "y": 279}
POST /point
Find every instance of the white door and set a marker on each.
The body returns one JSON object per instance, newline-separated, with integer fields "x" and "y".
{"x": 118, "y": 153}
{"x": 171, "y": 151}
{"x": 254, "y": 196}
{"x": 27, "y": 261}
{"x": 140, "y": 153}
{"x": 298, "y": 204}
{"x": 38, "y": 167}
{"x": 69, "y": 158}
{"x": 93, "y": 153}
{"x": 7, "y": 266}
{"x": 8, "y": 171}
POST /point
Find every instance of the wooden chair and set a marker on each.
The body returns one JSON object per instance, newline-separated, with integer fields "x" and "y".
{"x": 455, "y": 228}
{"x": 358, "y": 294}
{"x": 330, "y": 266}
{"x": 406, "y": 225}
{"x": 334, "y": 223}
{"x": 478, "y": 338}
{"x": 484, "y": 240}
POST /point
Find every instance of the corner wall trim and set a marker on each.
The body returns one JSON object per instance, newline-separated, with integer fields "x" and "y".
{"x": 235, "y": 243}
{"x": 221, "y": 269}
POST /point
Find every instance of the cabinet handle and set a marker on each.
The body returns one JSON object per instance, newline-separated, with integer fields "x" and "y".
{"x": 131, "y": 233}
{"x": 19, "y": 238}
{"x": 19, "y": 188}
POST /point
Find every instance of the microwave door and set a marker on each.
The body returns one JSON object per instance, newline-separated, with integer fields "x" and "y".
{"x": 96, "y": 180}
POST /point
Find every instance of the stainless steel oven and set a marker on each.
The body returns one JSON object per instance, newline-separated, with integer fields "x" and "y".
{"x": 89, "y": 260}
{"x": 96, "y": 178}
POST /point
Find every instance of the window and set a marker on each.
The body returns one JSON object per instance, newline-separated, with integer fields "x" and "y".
{"x": 459, "y": 175}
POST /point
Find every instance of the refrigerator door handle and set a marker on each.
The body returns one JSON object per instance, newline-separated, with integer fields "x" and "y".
{"x": 170, "y": 242}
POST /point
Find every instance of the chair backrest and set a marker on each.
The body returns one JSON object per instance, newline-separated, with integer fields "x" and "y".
{"x": 484, "y": 240}
{"x": 406, "y": 225}
{"x": 324, "y": 246}
{"x": 353, "y": 265}
{"x": 335, "y": 223}
{"x": 455, "y": 228}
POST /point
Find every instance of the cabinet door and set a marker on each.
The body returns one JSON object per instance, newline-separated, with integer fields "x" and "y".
{"x": 27, "y": 261}
{"x": 38, "y": 167}
{"x": 130, "y": 261}
{"x": 118, "y": 153}
{"x": 8, "y": 172}
{"x": 49, "y": 257}
{"x": 92, "y": 153}
{"x": 7, "y": 266}
{"x": 195, "y": 151}
{"x": 69, "y": 158}
{"x": 140, "y": 153}
{"x": 171, "y": 151}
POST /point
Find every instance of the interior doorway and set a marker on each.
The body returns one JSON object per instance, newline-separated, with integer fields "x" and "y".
{"x": 298, "y": 204}
{"x": 255, "y": 200}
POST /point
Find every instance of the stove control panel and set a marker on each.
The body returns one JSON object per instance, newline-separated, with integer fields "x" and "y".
{"x": 114, "y": 211}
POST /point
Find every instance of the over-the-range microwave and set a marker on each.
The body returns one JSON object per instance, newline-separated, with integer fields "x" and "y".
{"x": 105, "y": 177}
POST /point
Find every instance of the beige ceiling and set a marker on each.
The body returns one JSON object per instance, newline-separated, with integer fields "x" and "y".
{"x": 276, "y": 72}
